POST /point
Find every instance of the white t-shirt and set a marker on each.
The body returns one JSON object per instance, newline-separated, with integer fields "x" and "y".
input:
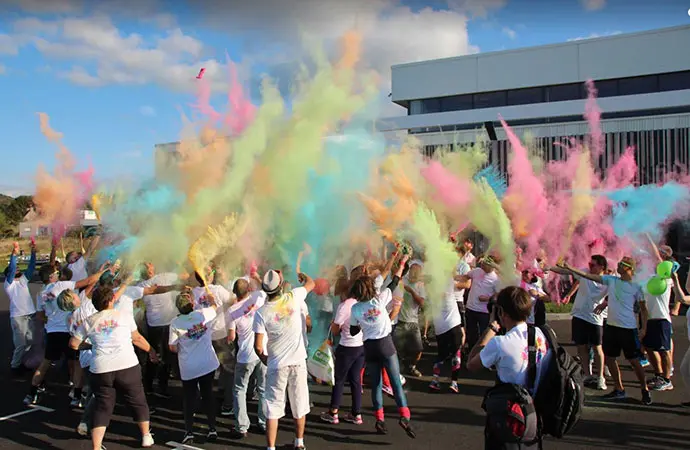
{"x": 21, "y": 303}
{"x": 623, "y": 297}
{"x": 58, "y": 320}
{"x": 446, "y": 315}
{"x": 658, "y": 305}
{"x": 409, "y": 311}
{"x": 78, "y": 317}
{"x": 240, "y": 317}
{"x": 589, "y": 296}
{"x": 125, "y": 302}
{"x": 281, "y": 322}
{"x": 483, "y": 284}
{"x": 324, "y": 303}
{"x": 463, "y": 268}
{"x": 192, "y": 335}
{"x": 222, "y": 297}
{"x": 510, "y": 355}
{"x": 160, "y": 308}
{"x": 78, "y": 269}
{"x": 529, "y": 287}
{"x": 470, "y": 259}
{"x": 372, "y": 316}
{"x": 110, "y": 334}
{"x": 342, "y": 319}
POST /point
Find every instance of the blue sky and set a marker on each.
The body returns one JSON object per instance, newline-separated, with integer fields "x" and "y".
{"x": 114, "y": 76}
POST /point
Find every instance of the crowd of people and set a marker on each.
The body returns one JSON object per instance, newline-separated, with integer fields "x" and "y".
{"x": 247, "y": 336}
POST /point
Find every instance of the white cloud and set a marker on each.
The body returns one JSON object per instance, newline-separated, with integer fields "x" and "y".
{"x": 3, "y": 69}
{"x": 509, "y": 32}
{"x": 148, "y": 111}
{"x": 9, "y": 45}
{"x": 593, "y": 5}
{"x": 595, "y": 35}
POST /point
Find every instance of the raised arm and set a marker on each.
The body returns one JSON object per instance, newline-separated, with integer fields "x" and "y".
{"x": 389, "y": 264}
{"x": 53, "y": 251}
{"x": 9, "y": 279}
{"x": 93, "y": 279}
{"x": 92, "y": 246}
{"x": 29, "y": 272}
{"x": 306, "y": 281}
{"x": 589, "y": 276}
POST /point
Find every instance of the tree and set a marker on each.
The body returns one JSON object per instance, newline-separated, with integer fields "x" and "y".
{"x": 16, "y": 210}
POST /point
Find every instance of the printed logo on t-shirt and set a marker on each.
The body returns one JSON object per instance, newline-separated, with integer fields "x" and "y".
{"x": 195, "y": 332}
{"x": 542, "y": 347}
{"x": 371, "y": 314}
{"x": 205, "y": 301}
{"x": 106, "y": 327}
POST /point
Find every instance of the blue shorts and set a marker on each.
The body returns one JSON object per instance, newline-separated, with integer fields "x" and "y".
{"x": 658, "y": 336}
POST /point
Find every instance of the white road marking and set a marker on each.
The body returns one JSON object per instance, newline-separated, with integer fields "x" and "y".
{"x": 178, "y": 446}
{"x": 32, "y": 408}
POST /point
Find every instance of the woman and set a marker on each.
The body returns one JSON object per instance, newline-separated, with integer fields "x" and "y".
{"x": 370, "y": 317}
{"x": 114, "y": 366}
{"x": 191, "y": 338}
{"x": 349, "y": 363}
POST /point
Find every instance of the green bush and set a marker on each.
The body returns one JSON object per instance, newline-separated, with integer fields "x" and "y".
{"x": 553, "y": 308}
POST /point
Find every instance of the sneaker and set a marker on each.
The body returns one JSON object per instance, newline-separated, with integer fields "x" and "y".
{"x": 147, "y": 440}
{"x": 237, "y": 434}
{"x": 83, "y": 429}
{"x": 71, "y": 393}
{"x": 330, "y": 418}
{"x": 589, "y": 379}
{"x": 404, "y": 422}
{"x": 261, "y": 427}
{"x": 644, "y": 362}
{"x": 435, "y": 386}
{"x": 41, "y": 389}
{"x": 381, "y": 427}
{"x": 31, "y": 400}
{"x": 212, "y": 435}
{"x": 654, "y": 381}
{"x": 414, "y": 372}
{"x": 75, "y": 403}
{"x": 402, "y": 380}
{"x": 599, "y": 384}
{"x": 225, "y": 411}
{"x": 188, "y": 438}
{"x": 646, "y": 398}
{"x": 614, "y": 395}
{"x": 454, "y": 387}
{"x": 607, "y": 372}
{"x": 354, "y": 418}
{"x": 662, "y": 385}
{"x": 387, "y": 390}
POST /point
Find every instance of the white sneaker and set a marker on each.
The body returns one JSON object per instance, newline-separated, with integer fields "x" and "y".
{"x": 601, "y": 384}
{"x": 147, "y": 440}
{"x": 402, "y": 380}
{"x": 607, "y": 372}
{"x": 83, "y": 429}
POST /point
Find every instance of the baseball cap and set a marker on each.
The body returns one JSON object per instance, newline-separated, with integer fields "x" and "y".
{"x": 272, "y": 281}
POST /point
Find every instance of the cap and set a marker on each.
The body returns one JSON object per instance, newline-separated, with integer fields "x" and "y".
{"x": 66, "y": 300}
{"x": 272, "y": 281}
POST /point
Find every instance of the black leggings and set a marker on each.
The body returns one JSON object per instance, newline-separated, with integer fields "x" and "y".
{"x": 105, "y": 388}
{"x": 477, "y": 322}
{"x": 191, "y": 389}
{"x": 158, "y": 338}
{"x": 349, "y": 362}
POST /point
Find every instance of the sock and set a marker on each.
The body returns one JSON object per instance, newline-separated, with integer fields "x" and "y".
{"x": 404, "y": 412}
{"x": 379, "y": 414}
{"x": 299, "y": 442}
{"x": 270, "y": 448}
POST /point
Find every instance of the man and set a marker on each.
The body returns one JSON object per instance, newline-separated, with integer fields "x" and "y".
{"x": 248, "y": 367}
{"x": 469, "y": 258}
{"x": 483, "y": 285}
{"x": 76, "y": 261}
{"x": 407, "y": 336}
{"x": 588, "y": 327}
{"x": 22, "y": 309}
{"x": 507, "y": 353}
{"x": 624, "y": 302}
{"x": 280, "y": 321}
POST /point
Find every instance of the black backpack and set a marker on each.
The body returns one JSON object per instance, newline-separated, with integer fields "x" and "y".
{"x": 560, "y": 397}
{"x": 511, "y": 416}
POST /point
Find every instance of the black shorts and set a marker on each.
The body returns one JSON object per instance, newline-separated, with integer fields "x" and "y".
{"x": 57, "y": 344}
{"x": 586, "y": 333}
{"x": 658, "y": 336}
{"x": 618, "y": 339}
{"x": 408, "y": 338}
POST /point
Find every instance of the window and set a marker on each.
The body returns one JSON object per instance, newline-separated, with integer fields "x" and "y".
{"x": 431, "y": 105}
{"x": 674, "y": 81}
{"x": 415, "y": 107}
{"x": 638, "y": 85}
{"x": 456, "y": 103}
{"x": 525, "y": 96}
{"x": 489, "y": 99}
{"x": 564, "y": 92}
{"x": 606, "y": 88}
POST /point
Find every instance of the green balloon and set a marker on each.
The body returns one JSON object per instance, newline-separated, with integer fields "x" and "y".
{"x": 664, "y": 270}
{"x": 656, "y": 286}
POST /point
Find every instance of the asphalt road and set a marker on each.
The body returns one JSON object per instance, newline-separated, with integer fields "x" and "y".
{"x": 441, "y": 420}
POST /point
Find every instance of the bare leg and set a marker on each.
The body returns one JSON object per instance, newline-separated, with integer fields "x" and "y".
{"x": 583, "y": 353}
{"x": 97, "y": 435}
{"x": 616, "y": 373}
{"x": 299, "y": 427}
{"x": 144, "y": 427}
{"x": 40, "y": 373}
{"x": 666, "y": 364}
{"x": 272, "y": 432}
{"x": 599, "y": 360}
{"x": 655, "y": 361}
{"x": 639, "y": 371}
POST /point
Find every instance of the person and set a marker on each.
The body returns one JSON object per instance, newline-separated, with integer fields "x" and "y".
{"x": 115, "y": 367}
{"x": 587, "y": 327}
{"x": 160, "y": 312}
{"x": 530, "y": 283}
{"x": 370, "y": 317}
{"x": 56, "y": 324}
{"x": 462, "y": 268}
{"x": 349, "y": 364}
{"x": 22, "y": 308}
{"x": 280, "y": 322}
{"x": 77, "y": 261}
{"x": 685, "y": 364}
{"x": 248, "y": 367}
{"x": 468, "y": 257}
{"x": 449, "y": 338}
{"x": 624, "y": 301}
{"x": 407, "y": 335}
{"x": 508, "y": 354}
{"x": 482, "y": 283}
{"x": 190, "y": 339}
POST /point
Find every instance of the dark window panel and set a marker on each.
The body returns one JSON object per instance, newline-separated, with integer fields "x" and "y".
{"x": 564, "y": 92}
{"x": 677, "y": 81}
{"x": 638, "y": 85}
{"x": 525, "y": 96}
{"x": 431, "y": 105}
{"x": 456, "y": 103}
{"x": 489, "y": 100}
{"x": 606, "y": 88}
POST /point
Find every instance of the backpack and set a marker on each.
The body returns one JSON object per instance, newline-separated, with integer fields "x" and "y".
{"x": 511, "y": 416}
{"x": 560, "y": 398}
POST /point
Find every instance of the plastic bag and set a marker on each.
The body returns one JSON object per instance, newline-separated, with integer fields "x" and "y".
{"x": 321, "y": 364}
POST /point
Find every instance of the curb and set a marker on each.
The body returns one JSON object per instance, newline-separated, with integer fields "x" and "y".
{"x": 558, "y": 316}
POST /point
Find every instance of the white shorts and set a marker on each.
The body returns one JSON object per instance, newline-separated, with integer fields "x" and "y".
{"x": 292, "y": 379}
